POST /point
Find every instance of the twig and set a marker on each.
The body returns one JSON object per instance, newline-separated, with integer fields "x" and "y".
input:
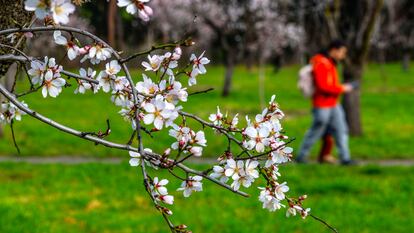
{"x": 267, "y": 152}
{"x": 15, "y": 49}
{"x": 153, "y": 48}
{"x": 100, "y": 134}
{"x": 24, "y": 58}
{"x": 14, "y": 138}
{"x": 324, "y": 222}
{"x": 200, "y": 92}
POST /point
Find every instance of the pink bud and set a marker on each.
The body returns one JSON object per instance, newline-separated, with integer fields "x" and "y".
{"x": 28, "y": 34}
{"x": 84, "y": 49}
{"x": 167, "y": 151}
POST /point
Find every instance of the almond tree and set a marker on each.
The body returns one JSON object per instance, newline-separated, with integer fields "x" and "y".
{"x": 240, "y": 28}
{"x": 151, "y": 104}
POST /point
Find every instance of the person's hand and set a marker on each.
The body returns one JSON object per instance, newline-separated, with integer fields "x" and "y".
{"x": 348, "y": 87}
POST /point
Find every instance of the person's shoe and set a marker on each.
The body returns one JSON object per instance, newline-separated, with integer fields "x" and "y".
{"x": 302, "y": 161}
{"x": 328, "y": 159}
{"x": 349, "y": 162}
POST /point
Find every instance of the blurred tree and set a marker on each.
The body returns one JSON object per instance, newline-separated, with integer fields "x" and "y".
{"x": 394, "y": 34}
{"x": 249, "y": 29}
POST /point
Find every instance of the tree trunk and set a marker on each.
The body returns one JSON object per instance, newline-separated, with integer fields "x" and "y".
{"x": 406, "y": 61}
{"x": 112, "y": 22}
{"x": 119, "y": 31}
{"x": 351, "y": 101}
{"x": 12, "y": 14}
{"x": 8, "y": 82}
{"x": 230, "y": 63}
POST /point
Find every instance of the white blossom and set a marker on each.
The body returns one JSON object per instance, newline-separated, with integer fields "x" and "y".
{"x": 199, "y": 62}
{"x": 154, "y": 63}
{"x": 134, "y": 6}
{"x": 97, "y": 53}
{"x": 105, "y": 81}
{"x": 112, "y": 67}
{"x": 176, "y": 93}
{"x": 159, "y": 186}
{"x": 72, "y": 48}
{"x": 37, "y": 71}
{"x": 280, "y": 191}
{"x": 52, "y": 83}
{"x": 250, "y": 169}
{"x": 40, "y": 7}
{"x": 147, "y": 86}
{"x": 9, "y": 111}
{"x": 257, "y": 138}
{"x": 135, "y": 159}
{"x": 192, "y": 184}
{"x": 216, "y": 117}
{"x": 61, "y": 10}
{"x": 84, "y": 85}
{"x": 234, "y": 169}
{"x": 219, "y": 173}
{"x": 158, "y": 112}
{"x": 192, "y": 77}
{"x": 269, "y": 201}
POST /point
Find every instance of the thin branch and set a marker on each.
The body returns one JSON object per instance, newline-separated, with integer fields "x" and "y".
{"x": 24, "y": 58}
{"x": 267, "y": 152}
{"x": 14, "y": 138}
{"x": 189, "y": 170}
{"x": 201, "y": 92}
{"x": 153, "y": 48}
{"x": 324, "y": 222}
{"x": 15, "y": 49}
{"x": 28, "y": 92}
{"x": 211, "y": 125}
{"x": 100, "y": 134}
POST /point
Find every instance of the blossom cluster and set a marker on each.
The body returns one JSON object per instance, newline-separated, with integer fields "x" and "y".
{"x": 262, "y": 137}
{"x": 187, "y": 140}
{"x": 218, "y": 119}
{"x": 47, "y": 74}
{"x": 9, "y": 112}
{"x": 191, "y": 184}
{"x": 295, "y": 206}
{"x": 58, "y": 10}
{"x": 160, "y": 192}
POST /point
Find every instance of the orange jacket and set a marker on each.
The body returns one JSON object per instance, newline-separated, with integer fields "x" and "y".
{"x": 327, "y": 85}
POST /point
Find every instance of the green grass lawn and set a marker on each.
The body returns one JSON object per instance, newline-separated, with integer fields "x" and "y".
{"x": 387, "y": 114}
{"x": 110, "y": 198}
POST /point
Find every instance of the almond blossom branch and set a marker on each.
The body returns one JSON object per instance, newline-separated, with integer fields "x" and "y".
{"x": 148, "y": 156}
{"x": 189, "y": 170}
{"x": 220, "y": 129}
{"x": 23, "y": 58}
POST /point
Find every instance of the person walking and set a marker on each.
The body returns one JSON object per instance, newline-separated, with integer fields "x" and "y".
{"x": 328, "y": 115}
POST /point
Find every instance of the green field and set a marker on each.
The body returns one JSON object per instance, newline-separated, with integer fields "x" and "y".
{"x": 110, "y": 198}
{"x": 387, "y": 114}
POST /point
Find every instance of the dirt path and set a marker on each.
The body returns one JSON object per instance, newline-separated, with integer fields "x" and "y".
{"x": 115, "y": 160}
